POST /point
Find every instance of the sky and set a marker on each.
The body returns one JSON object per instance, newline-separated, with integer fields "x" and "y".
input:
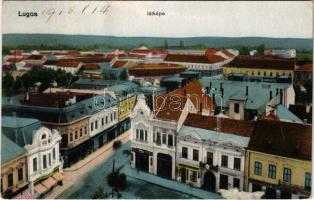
{"x": 182, "y": 19}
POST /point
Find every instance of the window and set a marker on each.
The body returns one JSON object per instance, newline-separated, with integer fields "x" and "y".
{"x": 236, "y": 108}
{"x": 137, "y": 134}
{"x": 20, "y": 174}
{"x": 287, "y": 175}
{"x": 271, "y": 73}
{"x": 264, "y": 73}
{"x": 145, "y": 135}
{"x": 184, "y": 152}
{"x": 151, "y": 161}
{"x": 85, "y": 130}
{"x": 158, "y": 139}
{"x": 164, "y": 138}
{"x": 10, "y": 180}
{"x": 272, "y": 171}
{"x": 75, "y": 135}
{"x": 258, "y": 73}
{"x": 102, "y": 121}
{"x": 96, "y": 124}
{"x": 141, "y": 134}
{"x": 81, "y": 132}
{"x": 71, "y": 136}
{"x": 236, "y": 183}
{"x": 43, "y": 136}
{"x": 210, "y": 158}
{"x": 34, "y": 164}
{"x": 193, "y": 176}
{"x": 195, "y": 154}
{"x": 106, "y": 119}
{"x": 258, "y": 168}
{"x": 237, "y": 163}
{"x": 92, "y": 126}
{"x": 44, "y": 161}
{"x": 54, "y": 153}
{"x": 308, "y": 181}
{"x": 111, "y": 117}
{"x": 49, "y": 159}
{"x": 114, "y": 115}
{"x": 170, "y": 140}
{"x": 224, "y": 161}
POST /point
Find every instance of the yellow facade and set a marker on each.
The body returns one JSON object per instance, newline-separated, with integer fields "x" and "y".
{"x": 125, "y": 106}
{"x": 258, "y": 72}
{"x": 298, "y": 169}
{"x": 11, "y": 169}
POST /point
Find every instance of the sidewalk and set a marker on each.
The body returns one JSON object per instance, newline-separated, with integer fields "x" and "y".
{"x": 167, "y": 183}
{"x": 76, "y": 171}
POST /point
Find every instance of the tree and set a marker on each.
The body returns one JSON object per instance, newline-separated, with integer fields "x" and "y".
{"x": 99, "y": 193}
{"x": 260, "y": 49}
{"x": 117, "y": 180}
{"x": 7, "y": 81}
{"x": 244, "y": 50}
{"x": 181, "y": 44}
{"x": 124, "y": 75}
{"x": 166, "y": 44}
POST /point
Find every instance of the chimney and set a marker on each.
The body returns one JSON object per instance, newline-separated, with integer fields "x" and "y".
{"x": 247, "y": 90}
{"x": 184, "y": 92}
{"x": 281, "y": 96}
{"x": 270, "y": 95}
{"x": 222, "y": 93}
{"x": 210, "y": 85}
{"x": 220, "y": 86}
{"x": 276, "y": 91}
{"x": 201, "y": 107}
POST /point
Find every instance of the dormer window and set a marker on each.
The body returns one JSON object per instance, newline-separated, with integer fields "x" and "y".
{"x": 43, "y": 136}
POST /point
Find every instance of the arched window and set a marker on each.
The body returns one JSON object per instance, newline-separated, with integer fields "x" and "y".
{"x": 43, "y": 136}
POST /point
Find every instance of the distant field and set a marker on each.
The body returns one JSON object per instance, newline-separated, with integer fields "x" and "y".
{"x": 305, "y": 56}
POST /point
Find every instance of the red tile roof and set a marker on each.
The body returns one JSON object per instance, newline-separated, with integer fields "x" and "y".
{"x": 228, "y": 53}
{"x": 170, "y": 106}
{"x": 147, "y": 51}
{"x": 140, "y": 72}
{"x": 232, "y": 126}
{"x": 119, "y": 63}
{"x": 194, "y": 58}
{"x": 64, "y": 63}
{"x": 282, "y": 138}
{"x": 210, "y": 52}
{"x": 15, "y": 59}
{"x": 35, "y": 57}
{"x": 262, "y": 63}
{"x": 304, "y": 67}
{"x": 89, "y": 66}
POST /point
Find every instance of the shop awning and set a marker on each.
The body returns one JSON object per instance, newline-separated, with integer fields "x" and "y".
{"x": 39, "y": 188}
{"x": 58, "y": 176}
{"x": 49, "y": 182}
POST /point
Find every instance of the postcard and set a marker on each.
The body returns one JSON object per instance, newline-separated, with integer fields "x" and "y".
{"x": 156, "y": 99}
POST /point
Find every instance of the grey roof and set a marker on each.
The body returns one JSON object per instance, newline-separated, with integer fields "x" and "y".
{"x": 213, "y": 136}
{"x": 58, "y": 115}
{"x": 258, "y": 92}
{"x": 9, "y": 150}
{"x": 152, "y": 90}
{"x": 20, "y": 130}
{"x": 284, "y": 113}
{"x": 173, "y": 79}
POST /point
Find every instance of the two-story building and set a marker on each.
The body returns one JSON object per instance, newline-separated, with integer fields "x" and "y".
{"x": 211, "y": 152}
{"x": 279, "y": 160}
{"x": 154, "y": 131}
{"x": 42, "y": 151}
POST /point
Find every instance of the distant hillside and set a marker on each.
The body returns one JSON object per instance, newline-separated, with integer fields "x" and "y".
{"x": 88, "y": 40}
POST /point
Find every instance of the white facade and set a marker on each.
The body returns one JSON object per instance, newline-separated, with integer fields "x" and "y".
{"x": 205, "y": 156}
{"x": 154, "y": 140}
{"x": 43, "y": 154}
{"x": 72, "y": 70}
{"x": 102, "y": 120}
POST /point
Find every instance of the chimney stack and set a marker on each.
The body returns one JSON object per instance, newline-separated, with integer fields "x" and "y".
{"x": 270, "y": 95}
{"x": 281, "y": 96}
{"x": 247, "y": 91}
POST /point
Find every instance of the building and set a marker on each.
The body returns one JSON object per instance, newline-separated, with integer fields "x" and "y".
{"x": 282, "y": 53}
{"x": 154, "y": 131}
{"x": 303, "y": 73}
{"x": 260, "y": 66}
{"x": 247, "y": 100}
{"x": 13, "y": 168}
{"x": 68, "y": 65}
{"x": 35, "y": 59}
{"x": 44, "y": 163}
{"x": 278, "y": 160}
{"x": 70, "y": 114}
{"x": 211, "y": 152}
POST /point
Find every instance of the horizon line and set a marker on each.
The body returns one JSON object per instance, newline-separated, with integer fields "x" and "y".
{"x": 164, "y": 36}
